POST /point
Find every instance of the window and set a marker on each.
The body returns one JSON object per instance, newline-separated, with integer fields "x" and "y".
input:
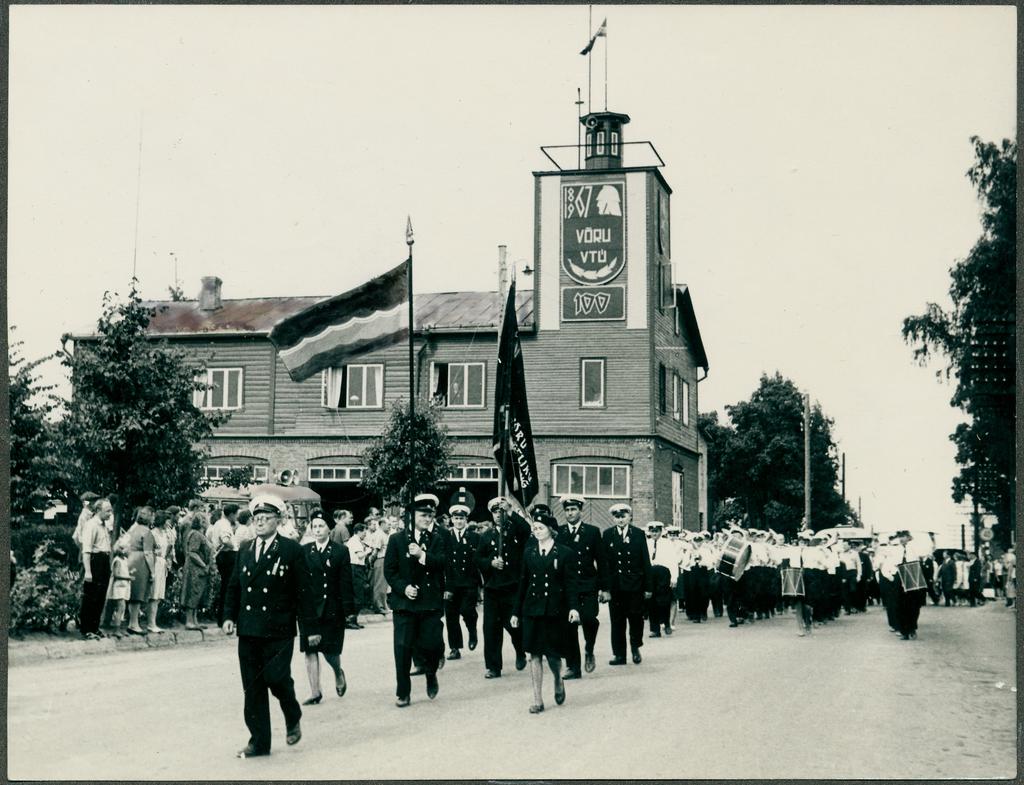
{"x": 592, "y": 480}
{"x": 662, "y": 392}
{"x": 666, "y": 291}
{"x": 213, "y": 473}
{"x": 458, "y": 385}
{"x": 352, "y": 387}
{"x": 615, "y": 143}
{"x": 460, "y": 473}
{"x": 336, "y": 473}
{"x": 686, "y": 403}
{"x": 223, "y": 389}
{"x": 677, "y": 394}
{"x": 592, "y": 384}
{"x": 600, "y": 143}
{"x": 678, "y": 485}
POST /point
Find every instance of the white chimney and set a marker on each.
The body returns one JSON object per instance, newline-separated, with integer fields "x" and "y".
{"x": 209, "y": 294}
{"x": 502, "y": 274}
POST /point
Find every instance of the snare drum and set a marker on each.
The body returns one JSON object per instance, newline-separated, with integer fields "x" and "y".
{"x": 735, "y": 557}
{"x": 911, "y": 576}
{"x": 793, "y": 582}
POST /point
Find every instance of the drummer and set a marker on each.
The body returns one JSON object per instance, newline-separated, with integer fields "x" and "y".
{"x": 797, "y": 561}
{"x": 909, "y": 597}
{"x": 732, "y": 591}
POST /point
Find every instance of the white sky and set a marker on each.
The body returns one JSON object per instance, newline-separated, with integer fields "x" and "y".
{"x": 817, "y": 157}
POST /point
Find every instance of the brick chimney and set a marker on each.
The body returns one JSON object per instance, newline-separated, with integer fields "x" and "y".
{"x": 209, "y": 294}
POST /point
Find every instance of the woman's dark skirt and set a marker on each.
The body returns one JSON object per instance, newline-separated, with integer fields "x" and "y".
{"x": 332, "y": 638}
{"x": 545, "y": 635}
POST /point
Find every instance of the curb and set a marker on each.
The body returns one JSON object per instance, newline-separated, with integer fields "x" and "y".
{"x": 31, "y": 653}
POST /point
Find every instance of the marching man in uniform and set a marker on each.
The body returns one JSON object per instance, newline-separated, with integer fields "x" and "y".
{"x": 414, "y": 565}
{"x": 627, "y": 582}
{"x": 585, "y": 540}
{"x": 462, "y": 578}
{"x": 500, "y": 559}
{"x": 269, "y": 588}
{"x": 664, "y": 574}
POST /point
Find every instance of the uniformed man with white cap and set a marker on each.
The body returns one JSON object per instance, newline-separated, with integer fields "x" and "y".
{"x": 414, "y": 565}
{"x": 462, "y": 578}
{"x": 585, "y": 540}
{"x": 267, "y": 592}
{"x": 500, "y": 558}
{"x": 627, "y": 582}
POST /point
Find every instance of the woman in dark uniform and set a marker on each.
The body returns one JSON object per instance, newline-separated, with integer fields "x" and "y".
{"x": 548, "y": 587}
{"x": 331, "y": 584}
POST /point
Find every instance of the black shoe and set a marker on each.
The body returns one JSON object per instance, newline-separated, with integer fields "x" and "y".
{"x": 520, "y": 662}
{"x": 249, "y": 751}
{"x": 492, "y": 674}
{"x": 617, "y": 661}
{"x": 454, "y": 654}
{"x": 432, "y": 685}
{"x": 655, "y": 635}
{"x": 537, "y": 709}
{"x": 572, "y": 673}
{"x": 904, "y": 637}
{"x": 440, "y": 661}
{"x": 560, "y": 693}
{"x": 340, "y": 685}
{"x": 402, "y": 702}
{"x": 668, "y": 629}
{"x": 472, "y": 642}
{"x": 419, "y": 671}
{"x": 589, "y": 663}
{"x": 294, "y": 734}
{"x": 313, "y": 701}
{"x": 351, "y": 625}
{"x": 636, "y": 656}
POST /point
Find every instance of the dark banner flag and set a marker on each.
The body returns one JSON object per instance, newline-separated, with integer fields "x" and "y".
{"x": 330, "y": 332}
{"x": 513, "y": 437}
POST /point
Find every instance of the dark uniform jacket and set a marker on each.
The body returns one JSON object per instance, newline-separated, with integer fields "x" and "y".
{"x": 628, "y": 564}
{"x": 515, "y": 533}
{"x": 331, "y": 586}
{"x": 265, "y": 600}
{"x": 549, "y": 584}
{"x": 401, "y": 570}
{"x": 461, "y": 571}
{"x": 587, "y": 544}
{"x": 947, "y": 575}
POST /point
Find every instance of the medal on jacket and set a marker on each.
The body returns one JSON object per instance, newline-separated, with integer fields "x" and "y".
{"x": 556, "y": 562}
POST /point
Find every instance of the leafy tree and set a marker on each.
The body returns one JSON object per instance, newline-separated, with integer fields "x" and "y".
{"x": 976, "y": 337}
{"x": 34, "y": 466}
{"x": 395, "y": 472}
{"x": 238, "y": 476}
{"x": 758, "y": 472}
{"x": 131, "y": 426}
{"x": 176, "y": 293}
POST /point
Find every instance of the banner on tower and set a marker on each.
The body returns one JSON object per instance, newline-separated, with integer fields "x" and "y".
{"x": 593, "y": 232}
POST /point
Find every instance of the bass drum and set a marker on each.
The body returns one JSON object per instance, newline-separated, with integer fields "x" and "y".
{"x": 735, "y": 557}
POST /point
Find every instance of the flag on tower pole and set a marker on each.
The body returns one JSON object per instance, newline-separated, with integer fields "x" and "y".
{"x": 602, "y": 32}
{"x": 513, "y": 436}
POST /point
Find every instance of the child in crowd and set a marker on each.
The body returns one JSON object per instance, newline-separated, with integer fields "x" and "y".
{"x": 120, "y": 584}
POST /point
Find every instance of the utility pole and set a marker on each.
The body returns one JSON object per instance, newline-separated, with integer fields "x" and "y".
{"x": 807, "y": 459}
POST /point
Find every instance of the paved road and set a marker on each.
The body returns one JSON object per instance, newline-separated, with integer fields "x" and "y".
{"x": 851, "y": 701}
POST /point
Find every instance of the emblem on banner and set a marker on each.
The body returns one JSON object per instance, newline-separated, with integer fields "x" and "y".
{"x": 593, "y": 232}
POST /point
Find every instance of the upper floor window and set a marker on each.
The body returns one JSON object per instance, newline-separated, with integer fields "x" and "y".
{"x": 599, "y": 136}
{"x": 677, "y": 397}
{"x": 615, "y": 143}
{"x": 214, "y": 473}
{"x": 592, "y": 383}
{"x": 686, "y": 403}
{"x": 458, "y": 385}
{"x": 353, "y": 387}
{"x": 592, "y": 480}
{"x": 662, "y": 389}
{"x": 223, "y": 389}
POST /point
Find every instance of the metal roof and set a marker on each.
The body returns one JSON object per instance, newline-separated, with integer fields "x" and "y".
{"x": 434, "y": 312}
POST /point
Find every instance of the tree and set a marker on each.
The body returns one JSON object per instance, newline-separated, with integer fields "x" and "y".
{"x": 34, "y": 466}
{"x": 132, "y": 427}
{"x": 976, "y": 336}
{"x": 238, "y": 476}
{"x": 392, "y": 471}
{"x": 759, "y": 467}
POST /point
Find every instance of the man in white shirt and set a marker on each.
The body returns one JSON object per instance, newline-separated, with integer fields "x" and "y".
{"x": 222, "y": 538}
{"x": 377, "y": 540}
{"x": 911, "y": 593}
{"x": 664, "y": 574}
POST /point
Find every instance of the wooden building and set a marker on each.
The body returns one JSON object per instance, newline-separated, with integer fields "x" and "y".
{"x": 612, "y": 351}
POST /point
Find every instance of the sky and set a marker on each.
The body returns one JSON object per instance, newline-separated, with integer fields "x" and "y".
{"x": 816, "y": 154}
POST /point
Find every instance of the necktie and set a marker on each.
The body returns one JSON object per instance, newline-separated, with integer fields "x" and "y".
{"x": 904, "y": 554}
{"x": 655, "y": 551}
{"x": 259, "y": 549}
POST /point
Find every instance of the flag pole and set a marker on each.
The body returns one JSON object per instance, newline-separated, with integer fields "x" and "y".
{"x": 409, "y": 240}
{"x": 590, "y": 31}
{"x": 606, "y": 69}
{"x": 507, "y": 397}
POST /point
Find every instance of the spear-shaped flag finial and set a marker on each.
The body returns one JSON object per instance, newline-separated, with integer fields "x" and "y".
{"x": 408, "y": 230}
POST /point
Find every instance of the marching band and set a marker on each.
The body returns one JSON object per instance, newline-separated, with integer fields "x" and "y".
{"x": 542, "y": 584}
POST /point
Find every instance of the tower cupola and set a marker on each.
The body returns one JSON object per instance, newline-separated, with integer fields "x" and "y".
{"x": 603, "y": 144}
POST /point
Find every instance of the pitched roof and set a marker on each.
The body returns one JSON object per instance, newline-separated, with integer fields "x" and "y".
{"x": 690, "y": 321}
{"x": 434, "y": 312}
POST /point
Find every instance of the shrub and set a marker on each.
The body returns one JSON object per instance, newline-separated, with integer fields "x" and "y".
{"x": 46, "y": 595}
{"x": 26, "y": 539}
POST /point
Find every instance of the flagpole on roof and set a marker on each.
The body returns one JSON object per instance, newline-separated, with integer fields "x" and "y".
{"x": 409, "y": 240}
{"x": 590, "y": 30}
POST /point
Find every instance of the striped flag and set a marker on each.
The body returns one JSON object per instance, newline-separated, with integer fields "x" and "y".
{"x": 602, "y": 32}
{"x": 330, "y": 332}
